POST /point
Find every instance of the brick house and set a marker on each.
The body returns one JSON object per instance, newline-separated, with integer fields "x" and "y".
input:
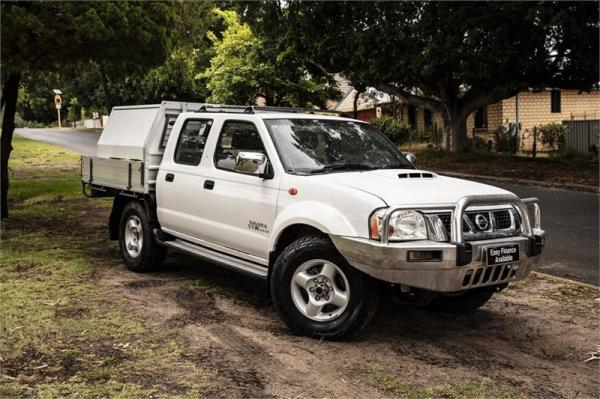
{"x": 535, "y": 108}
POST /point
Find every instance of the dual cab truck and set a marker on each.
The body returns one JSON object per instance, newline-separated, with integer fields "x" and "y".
{"x": 324, "y": 208}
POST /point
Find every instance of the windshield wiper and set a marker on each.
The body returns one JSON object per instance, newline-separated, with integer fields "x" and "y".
{"x": 347, "y": 166}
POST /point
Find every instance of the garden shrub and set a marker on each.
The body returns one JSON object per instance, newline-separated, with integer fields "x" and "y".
{"x": 554, "y": 135}
{"x": 395, "y": 130}
{"x": 503, "y": 139}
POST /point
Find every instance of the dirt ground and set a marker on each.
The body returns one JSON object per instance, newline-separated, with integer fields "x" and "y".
{"x": 532, "y": 340}
{"x": 574, "y": 175}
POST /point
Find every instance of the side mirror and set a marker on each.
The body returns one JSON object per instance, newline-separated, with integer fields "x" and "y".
{"x": 412, "y": 158}
{"x": 255, "y": 163}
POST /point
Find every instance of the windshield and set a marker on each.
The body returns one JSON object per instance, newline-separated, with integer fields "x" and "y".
{"x": 309, "y": 146}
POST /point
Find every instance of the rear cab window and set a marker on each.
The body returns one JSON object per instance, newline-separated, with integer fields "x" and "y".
{"x": 191, "y": 141}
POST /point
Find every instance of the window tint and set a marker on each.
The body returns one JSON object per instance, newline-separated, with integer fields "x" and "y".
{"x": 236, "y": 136}
{"x": 555, "y": 101}
{"x": 191, "y": 141}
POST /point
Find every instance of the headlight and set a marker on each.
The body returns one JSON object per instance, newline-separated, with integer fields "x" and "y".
{"x": 408, "y": 225}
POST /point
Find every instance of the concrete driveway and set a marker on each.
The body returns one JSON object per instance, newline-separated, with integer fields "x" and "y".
{"x": 83, "y": 142}
{"x": 569, "y": 217}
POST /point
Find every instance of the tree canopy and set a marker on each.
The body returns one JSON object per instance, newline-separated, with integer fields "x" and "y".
{"x": 118, "y": 37}
{"x": 449, "y": 57}
{"x": 245, "y": 67}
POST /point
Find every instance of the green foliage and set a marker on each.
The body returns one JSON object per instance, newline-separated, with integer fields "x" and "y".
{"x": 235, "y": 70}
{"x": 554, "y": 135}
{"x": 503, "y": 139}
{"x": 395, "y": 130}
{"x": 124, "y": 35}
{"x": 245, "y": 67}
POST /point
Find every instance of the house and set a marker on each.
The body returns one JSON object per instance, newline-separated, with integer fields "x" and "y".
{"x": 531, "y": 108}
{"x": 534, "y": 108}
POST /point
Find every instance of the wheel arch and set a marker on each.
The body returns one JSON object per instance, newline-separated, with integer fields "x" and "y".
{"x": 120, "y": 201}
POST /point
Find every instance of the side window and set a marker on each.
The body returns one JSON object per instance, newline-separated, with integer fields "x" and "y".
{"x": 236, "y": 136}
{"x": 190, "y": 143}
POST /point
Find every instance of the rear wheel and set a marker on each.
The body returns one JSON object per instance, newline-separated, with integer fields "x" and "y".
{"x": 317, "y": 293}
{"x": 463, "y": 303}
{"x": 139, "y": 250}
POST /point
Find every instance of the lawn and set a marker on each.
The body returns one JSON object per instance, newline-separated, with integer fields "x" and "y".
{"x": 59, "y": 335}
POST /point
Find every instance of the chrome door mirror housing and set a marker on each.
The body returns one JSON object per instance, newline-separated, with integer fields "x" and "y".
{"x": 255, "y": 163}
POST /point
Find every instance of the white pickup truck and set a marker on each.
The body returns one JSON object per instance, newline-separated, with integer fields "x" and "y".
{"x": 323, "y": 207}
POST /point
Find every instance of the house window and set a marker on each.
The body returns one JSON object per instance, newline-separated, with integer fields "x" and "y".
{"x": 428, "y": 119}
{"x": 481, "y": 117}
{"x": 555, "y": 101}
{"x": 412, "y": 116}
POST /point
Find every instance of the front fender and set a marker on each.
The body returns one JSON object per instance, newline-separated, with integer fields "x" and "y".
{"x": 315, "y": 214}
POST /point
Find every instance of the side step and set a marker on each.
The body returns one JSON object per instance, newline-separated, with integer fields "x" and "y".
{"x": 231, "y": 262}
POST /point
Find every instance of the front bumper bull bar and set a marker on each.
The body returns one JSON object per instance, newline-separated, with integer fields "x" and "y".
{"x": 462, "y": 265}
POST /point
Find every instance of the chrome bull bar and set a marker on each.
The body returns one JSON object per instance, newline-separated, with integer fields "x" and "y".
{"x": 458, "y": 211}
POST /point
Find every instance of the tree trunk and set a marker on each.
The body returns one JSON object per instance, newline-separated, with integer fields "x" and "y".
{"x": 9, "y": 103}
{"x": 107, "y": 95}
{"x": 455, "y": 137}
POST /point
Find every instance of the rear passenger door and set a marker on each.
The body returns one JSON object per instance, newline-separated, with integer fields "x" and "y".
{"x": 179, "y": 181}
{"x": 238, "y": 209}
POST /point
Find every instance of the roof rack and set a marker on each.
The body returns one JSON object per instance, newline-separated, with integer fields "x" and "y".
{"x": 253, "y": 109}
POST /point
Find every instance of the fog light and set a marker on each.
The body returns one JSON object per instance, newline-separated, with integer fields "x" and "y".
{"x": 424, "y": 256}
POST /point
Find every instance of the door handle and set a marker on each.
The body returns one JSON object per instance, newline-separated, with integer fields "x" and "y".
{"x": 209, "y": 184}
{"x": 170, "y": 177}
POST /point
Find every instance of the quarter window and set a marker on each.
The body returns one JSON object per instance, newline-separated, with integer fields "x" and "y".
{"x": 236, "y": 136}
{"x": 190, "y": 144}
{"x": 169, "y": 122}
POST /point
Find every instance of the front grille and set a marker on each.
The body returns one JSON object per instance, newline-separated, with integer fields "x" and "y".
{"x": 446, "y": 219}
{"x": 502, "y": 219}
{"x": 496, "y": 223}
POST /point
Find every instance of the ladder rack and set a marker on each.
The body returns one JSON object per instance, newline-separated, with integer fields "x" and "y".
{"x": 254, "y": 109}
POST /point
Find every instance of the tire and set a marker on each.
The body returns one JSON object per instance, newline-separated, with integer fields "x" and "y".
{"x": 350, "y": 297}
{"x": 147, "y": 254}
{"x": 470, "y": 301}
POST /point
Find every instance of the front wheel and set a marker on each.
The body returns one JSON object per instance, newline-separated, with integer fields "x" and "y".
{"x": 139, "y": 250}
{"x": 317, "y": 293}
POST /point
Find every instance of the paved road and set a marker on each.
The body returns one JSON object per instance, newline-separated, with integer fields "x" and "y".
{"x": 570, "y": 218}
{"x": 82, "y": 142}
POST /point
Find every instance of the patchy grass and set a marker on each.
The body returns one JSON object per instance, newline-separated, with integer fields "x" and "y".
{"x": 59, "y": 335}
{"x": 41, "y": 172}
{"x": 455, "y": 389}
